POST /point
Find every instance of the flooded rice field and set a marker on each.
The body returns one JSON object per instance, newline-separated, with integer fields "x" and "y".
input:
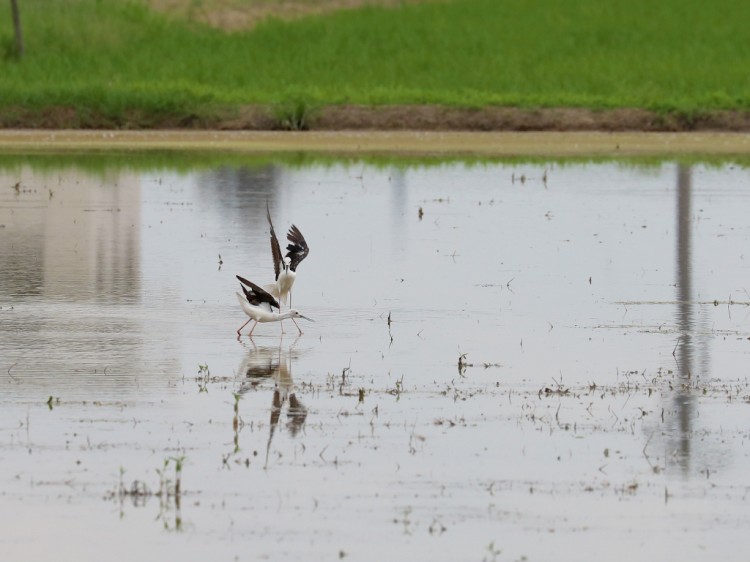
{"x": 508, "y": 361}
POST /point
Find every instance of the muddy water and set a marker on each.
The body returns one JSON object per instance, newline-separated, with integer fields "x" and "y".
{"x": 564, "y": 372}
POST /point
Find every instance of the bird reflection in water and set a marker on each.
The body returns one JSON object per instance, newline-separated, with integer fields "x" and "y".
{"x": 263, "y": 363}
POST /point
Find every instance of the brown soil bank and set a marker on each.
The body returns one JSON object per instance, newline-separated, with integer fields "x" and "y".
{"x": 515, "y": 119}
{"x": 391, "y": 118}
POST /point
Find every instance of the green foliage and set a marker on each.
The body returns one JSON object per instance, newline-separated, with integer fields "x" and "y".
{"x": 7, "y": 47}
{"x": 294, "y": 113}
{"x": 113, "y": 58}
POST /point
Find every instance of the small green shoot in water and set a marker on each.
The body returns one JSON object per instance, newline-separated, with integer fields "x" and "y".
{"x": 398, "y": 389}
{"x": 178, "y": 462}
{"x": 493, "y": 551}
{"x": 462, "y": 364}
{"x": 204, "y": 376}
{"x": 236, "y": 421}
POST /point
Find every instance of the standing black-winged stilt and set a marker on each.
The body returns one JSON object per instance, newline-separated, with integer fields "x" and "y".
{"x": 258, "y": 305}
{"x": 286, "y": 268}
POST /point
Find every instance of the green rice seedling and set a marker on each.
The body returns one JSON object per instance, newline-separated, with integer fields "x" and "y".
{"x": 139, "y": 68}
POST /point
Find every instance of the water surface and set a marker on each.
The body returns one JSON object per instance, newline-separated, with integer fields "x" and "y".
{"x": 565, "y": 362}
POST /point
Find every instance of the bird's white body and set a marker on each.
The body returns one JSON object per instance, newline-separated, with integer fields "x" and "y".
{"x": 285, "y": 267}
{"x": 258, "y": 304}
{"x": 284, "y": 283}
{"x": 262, "y": 313}
{"x": 281, "y": 290}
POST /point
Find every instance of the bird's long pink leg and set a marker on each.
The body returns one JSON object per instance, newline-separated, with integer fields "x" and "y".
{"x": 240, "y": 328}
{"x": 251, "y": 331}
{"x": 290, "y": 308}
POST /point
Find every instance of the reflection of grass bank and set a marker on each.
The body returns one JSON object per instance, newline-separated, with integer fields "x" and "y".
{"x": 137, "y": 68}
{"x": 107, "y": 162}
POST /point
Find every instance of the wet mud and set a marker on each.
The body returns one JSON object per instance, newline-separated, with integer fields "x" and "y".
{"x": 365, "y": 143}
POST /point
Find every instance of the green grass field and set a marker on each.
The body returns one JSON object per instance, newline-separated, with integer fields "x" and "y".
{"x": 111, "y": 58}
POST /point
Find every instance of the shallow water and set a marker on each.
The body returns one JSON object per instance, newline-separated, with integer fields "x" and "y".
{"x": 565, "y": 365}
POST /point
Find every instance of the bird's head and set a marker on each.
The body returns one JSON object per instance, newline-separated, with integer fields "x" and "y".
{"x": 296, "y": 314}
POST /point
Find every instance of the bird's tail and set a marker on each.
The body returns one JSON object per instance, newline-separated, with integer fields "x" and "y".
{"x": 241, "y": 298}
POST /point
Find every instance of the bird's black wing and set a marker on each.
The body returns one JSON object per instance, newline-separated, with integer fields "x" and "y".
{"x": 275, "y": 248}
{"x": 255, "y": 295}
{"x": 297, "y": 250}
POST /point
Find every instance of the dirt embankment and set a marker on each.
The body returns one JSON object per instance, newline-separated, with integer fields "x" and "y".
{"x": 234, "y": 15}
{"x": 389, "y": 118}
{"x": 435, "y": 118}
